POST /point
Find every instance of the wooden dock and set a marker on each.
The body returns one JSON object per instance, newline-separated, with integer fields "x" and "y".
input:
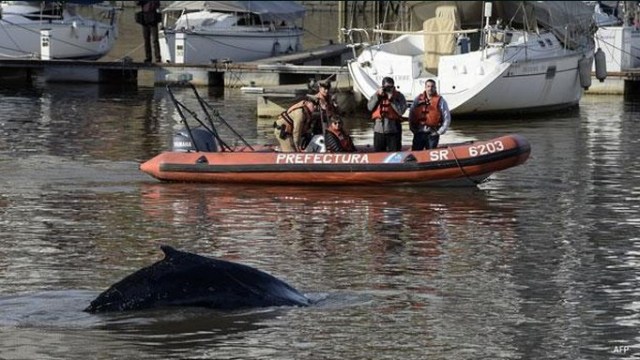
{"x": 296, "y": 68}
{"x": 616, "y": 83}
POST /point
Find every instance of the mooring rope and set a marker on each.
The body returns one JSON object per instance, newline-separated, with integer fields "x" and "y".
{"x": 461, "y": 168}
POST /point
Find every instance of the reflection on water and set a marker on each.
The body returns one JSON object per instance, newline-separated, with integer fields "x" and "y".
{"x": 539, "y": 262}
{"x": 338, "y": 222}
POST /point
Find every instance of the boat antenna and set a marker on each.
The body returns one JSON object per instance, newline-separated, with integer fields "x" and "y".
{"x": 180, "y": 107}
{"x": 216, "y": 113}
{"x": 487, "y": 28}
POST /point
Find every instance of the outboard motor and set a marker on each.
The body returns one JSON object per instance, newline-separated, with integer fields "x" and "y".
{"x": 203, "y": 139}
{"x": 316, "y": 144}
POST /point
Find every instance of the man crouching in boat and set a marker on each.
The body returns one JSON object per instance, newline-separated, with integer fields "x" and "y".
{"x": 294, "y": 127}
{"x": 336, "y": 139}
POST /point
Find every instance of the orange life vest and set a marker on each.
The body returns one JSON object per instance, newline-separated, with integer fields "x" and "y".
{"x": 384, "y": 110}
{"x": 427, "y": 112}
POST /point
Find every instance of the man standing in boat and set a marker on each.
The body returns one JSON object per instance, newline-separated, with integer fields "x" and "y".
{"x": 295, "y": 127}
{"x": 387, "y": 106}
{"x": 429, "y": 117}
{"x": 326, "y": 109}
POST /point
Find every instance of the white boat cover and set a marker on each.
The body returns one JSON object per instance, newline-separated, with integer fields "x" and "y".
{"x": 288, "y": 11}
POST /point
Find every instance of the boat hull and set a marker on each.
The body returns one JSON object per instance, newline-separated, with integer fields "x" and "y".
{"x": 526, "y": 87}
{"x": 465, "y": 164}
{"x": 71, "y": 37}
{"x": 500, "y": 79}
{"x": 205, "y": 48}
{"x": 621, "y": 46}
{"x": 67, "y": 42}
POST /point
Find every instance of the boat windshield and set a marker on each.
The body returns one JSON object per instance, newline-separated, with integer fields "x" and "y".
{"x": 257, "y": 14}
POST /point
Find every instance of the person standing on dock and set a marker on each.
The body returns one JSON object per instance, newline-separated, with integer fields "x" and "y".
{"x": 149, "y": 18}
{"x": 429, "y": 117}
{"x": 387, "y": 106}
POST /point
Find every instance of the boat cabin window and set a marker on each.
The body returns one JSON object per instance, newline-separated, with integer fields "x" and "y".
{"x": 249, "y": 20}
{"x": 170, "y": 19}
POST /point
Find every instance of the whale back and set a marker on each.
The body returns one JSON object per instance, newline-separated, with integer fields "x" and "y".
{"x": 186, "y": 279}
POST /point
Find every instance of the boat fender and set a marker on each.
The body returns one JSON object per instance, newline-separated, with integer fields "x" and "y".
{"x": 584, "y": 71}
{"x": 463, "y": 44}
{"x": 276, "y": 49}
{"x": 202, "y": 140}
{"x": 601, "y": 65}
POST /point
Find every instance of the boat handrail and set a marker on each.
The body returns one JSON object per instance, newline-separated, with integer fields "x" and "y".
{"x": 38, "y": 16}
{"x": 349, "y": 33}
{"x": 396, "y": 32}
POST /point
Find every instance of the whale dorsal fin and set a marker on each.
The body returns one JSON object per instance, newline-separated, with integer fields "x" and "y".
{"x": 168, "y": 251}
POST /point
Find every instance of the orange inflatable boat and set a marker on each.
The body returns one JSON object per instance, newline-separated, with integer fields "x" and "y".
{"x": 199, "y": 155}
{"x": 449, "y": 165}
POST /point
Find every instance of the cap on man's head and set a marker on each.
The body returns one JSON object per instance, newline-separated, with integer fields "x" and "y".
{"x": 325, "y": 84}
{"x": 387, "y": 81}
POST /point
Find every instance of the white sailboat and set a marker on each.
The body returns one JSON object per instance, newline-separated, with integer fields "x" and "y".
{"x": 514, "y": 56}
{"x": 70, "y": 35}
{"x": 617, "y": 35}
{"x": 237, "y": 31}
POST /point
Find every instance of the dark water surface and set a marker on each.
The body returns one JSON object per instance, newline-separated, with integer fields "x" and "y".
{"x": 540, "y": 262}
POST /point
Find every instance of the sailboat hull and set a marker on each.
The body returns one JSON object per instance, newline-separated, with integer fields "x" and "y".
{"x": 205, "y": 48}
{"x": 500, "y": 79}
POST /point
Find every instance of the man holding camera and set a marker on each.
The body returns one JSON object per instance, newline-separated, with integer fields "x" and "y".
{"x": 387, "y": 106}
{"x": 429, "y": 117}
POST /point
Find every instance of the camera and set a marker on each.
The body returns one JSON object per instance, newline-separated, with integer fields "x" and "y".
{"x": 388, "y": 88}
